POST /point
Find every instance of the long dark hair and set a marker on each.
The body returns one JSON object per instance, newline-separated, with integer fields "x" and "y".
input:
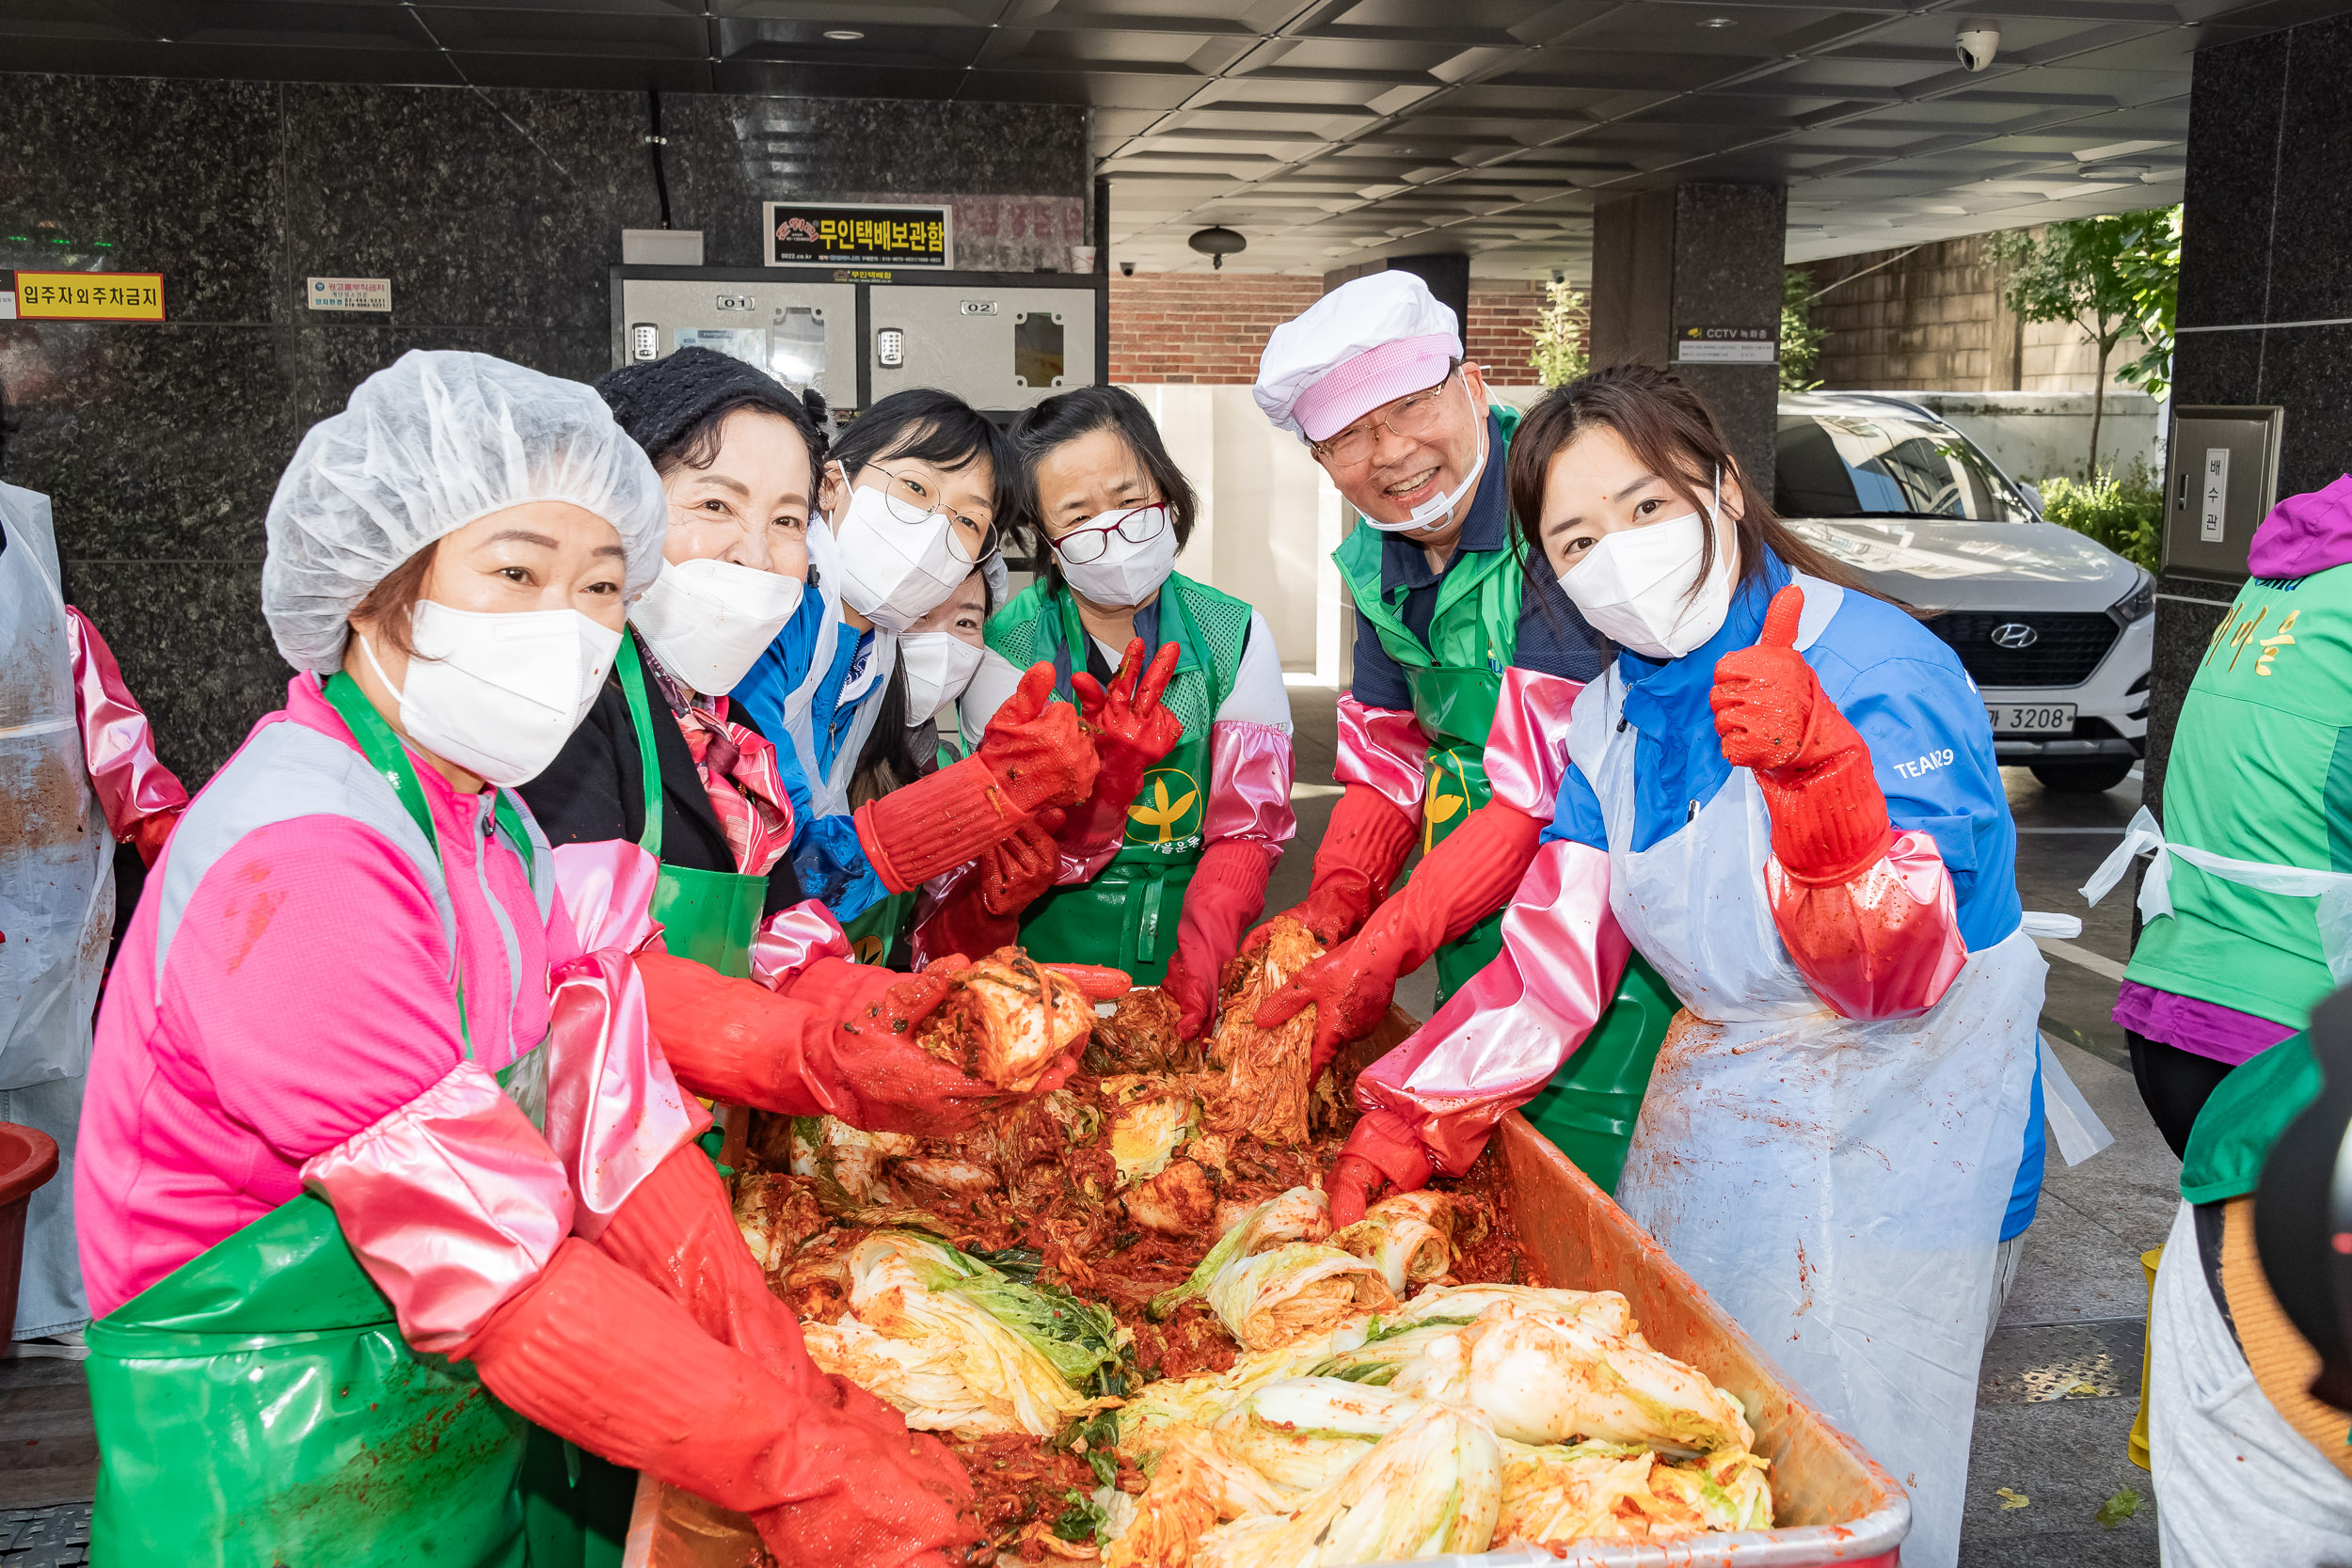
{"x": 939, "y": 428}
{"x": 1068, "y": 416}
{"x": 1672, "y": 432}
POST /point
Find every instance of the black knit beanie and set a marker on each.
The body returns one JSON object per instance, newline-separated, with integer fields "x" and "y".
{"x": 662, "y": 404}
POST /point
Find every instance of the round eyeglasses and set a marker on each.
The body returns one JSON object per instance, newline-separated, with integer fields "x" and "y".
{"x": 1412, "y": 418}
{"x": 908, "y": 501}
{"x": 1080, "y": 545}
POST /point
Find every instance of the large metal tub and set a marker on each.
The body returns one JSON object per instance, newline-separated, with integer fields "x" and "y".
{"x": 1835, "y": 1504}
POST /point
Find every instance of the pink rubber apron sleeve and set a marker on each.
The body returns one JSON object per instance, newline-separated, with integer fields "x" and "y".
{"x": 452, "y": 1204}
{"x": 1500, "y": 1038}
{"x": 118, "y": 743}
{"x": 1384, "y": 749}
{"x": 1527, "y": 749}
{"x": 1250, "y": 769}
{"x": 791, "y": 940}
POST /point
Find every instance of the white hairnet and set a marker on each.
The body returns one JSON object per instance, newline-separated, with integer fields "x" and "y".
{"x": 425, "y": 447}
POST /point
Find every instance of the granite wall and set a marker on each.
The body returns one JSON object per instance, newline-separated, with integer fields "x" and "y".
{"x": 2267, "y": 238}
{"x": 1695, "y": 255}
{"x": 495, "y": 215}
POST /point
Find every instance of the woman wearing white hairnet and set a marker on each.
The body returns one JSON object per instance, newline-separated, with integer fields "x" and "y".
{"x": 383, "y": 1186}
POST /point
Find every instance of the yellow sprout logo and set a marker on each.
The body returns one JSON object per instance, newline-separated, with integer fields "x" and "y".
{"x": 1176, "y": 815}
{"x": 867, "y": 949}
{"x": 1439, "y": 805}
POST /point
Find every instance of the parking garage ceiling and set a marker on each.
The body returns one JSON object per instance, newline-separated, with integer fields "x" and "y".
{"x": 1334, "y": 132}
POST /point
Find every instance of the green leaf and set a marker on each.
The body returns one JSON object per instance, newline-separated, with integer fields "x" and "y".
{"x": 2119, "y": 1508}
{"x": 1082, "y": 1518}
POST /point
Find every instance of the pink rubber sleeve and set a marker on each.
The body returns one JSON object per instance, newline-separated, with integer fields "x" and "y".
{"x": 604, "y": 898}
{"x": 1883, "y": 944}
{"x": 452, "y": 1204}
{"x": 118, "y": 744}
{"x": 1251, "y": 768}
{"x": 793, "y": 939}
{"x": 1527, "y": 749}
{"x": 1501, "y": 1038}
{"x": 1385, "y": 749}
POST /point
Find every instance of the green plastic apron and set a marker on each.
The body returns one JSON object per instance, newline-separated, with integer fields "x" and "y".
{"x": 708, "y": 916}
{"x": 1127, "y": 916}
{"x": 257, "y": 1405}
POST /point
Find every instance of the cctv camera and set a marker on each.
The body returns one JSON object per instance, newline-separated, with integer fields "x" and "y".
{"x": 1126, "y": 269}
{"x": 1976, "y": 46}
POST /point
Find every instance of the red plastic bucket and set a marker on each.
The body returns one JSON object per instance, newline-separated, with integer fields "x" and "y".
{"x": 27, "y": 1159}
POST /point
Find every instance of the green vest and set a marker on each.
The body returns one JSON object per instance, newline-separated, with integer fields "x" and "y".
{"x": 1127, "y": 916}
{"x": 2260, "y": 769}
{"x": 2244, "y": 1117}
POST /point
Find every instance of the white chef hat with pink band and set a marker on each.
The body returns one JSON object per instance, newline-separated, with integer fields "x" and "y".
{"x": 1368, "y": 341}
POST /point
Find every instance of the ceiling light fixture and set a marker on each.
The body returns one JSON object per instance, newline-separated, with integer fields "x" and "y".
{"x": 843, "y": 34}
{"x": 1216, "y": 243}
{"x": 1720, "y": 22}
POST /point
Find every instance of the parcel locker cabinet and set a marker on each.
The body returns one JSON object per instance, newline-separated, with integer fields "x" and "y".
{"x": 1002, "y": 342}
{"x": 804, "y": 332}
{"x": 997, "y": 348}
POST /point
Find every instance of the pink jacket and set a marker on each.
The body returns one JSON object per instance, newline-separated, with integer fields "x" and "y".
{"x": 283, "y": 1013}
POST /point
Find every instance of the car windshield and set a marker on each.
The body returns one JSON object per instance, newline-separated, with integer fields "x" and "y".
{"x": 1884, "y": 465}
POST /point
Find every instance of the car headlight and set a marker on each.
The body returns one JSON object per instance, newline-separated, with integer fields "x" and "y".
{"x": 2140, "y": 602}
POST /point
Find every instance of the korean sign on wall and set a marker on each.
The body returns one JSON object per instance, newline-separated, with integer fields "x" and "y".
{"x": 831, "y": 235}
{"x": 90, "y": 296}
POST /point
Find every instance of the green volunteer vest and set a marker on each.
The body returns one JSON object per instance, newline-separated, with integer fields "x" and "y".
{"x": 1589, "y": 1107}
{"x": 2244, "y": 1117}
{"x": 2260, "y": 769}
{"x": 257, "y": 1404}
{"x": 1127, "y": 916}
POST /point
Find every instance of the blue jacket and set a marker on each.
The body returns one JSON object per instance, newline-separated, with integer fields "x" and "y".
{"x": 1903, "y": 689}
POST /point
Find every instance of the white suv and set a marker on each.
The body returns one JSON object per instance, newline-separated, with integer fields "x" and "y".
{"x": 2055, "y": 628}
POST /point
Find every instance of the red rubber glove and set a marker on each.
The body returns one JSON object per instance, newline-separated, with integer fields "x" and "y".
{"x": 1227, "y": 890}
{"x": 1035, "y": 755}
{"x": 982, "y": 913}
{"x": 829, "y": 1474}
{"x": 677, "y": 1231}
{"x": 1379, "y": 1149}
{"x": 152, "y": 834}
{"x": 1362, "y": 850}
{"x": 1829, "y": 815}
{"x": 839, "y": 1040}
{"x": 1132, "y": 730}
{"x": 1465, "y": 879}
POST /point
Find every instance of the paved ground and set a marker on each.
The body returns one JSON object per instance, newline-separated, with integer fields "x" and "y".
{"x": 2061, "y": 1376}
{"x": 2061, "y": 1379}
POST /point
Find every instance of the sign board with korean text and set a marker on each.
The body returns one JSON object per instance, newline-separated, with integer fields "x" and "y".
{"x": 349, "y": 293}
{"x": 844, "y": 234}
{"x": 1727, "y": 345}
{"x": 90, "y": 296}
{"x": 2221, "y": 478}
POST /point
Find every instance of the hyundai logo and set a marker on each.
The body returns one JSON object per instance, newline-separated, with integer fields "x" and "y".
{"x": 2015, "y": 634}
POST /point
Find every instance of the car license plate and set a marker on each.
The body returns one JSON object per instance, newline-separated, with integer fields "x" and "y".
{"x": 2031, "y": 718}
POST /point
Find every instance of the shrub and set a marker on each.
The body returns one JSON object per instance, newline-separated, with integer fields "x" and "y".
{"x": 2122, "y": 513}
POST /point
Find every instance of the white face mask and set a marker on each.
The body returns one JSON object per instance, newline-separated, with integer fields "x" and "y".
{"x": 939, "y": 665}
{"x": 709, "y": 621}
{"x": 1634, "y": 585}
{"x": 894, "y": 573}
{"x": 1436, "y": 509}
{"x": 499, "y": 694}
{"x": 1125, "y": 572}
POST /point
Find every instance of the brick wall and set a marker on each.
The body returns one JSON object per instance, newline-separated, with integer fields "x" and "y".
{"x": 1933, "y": 321}
{"x": 1207, "y": 329}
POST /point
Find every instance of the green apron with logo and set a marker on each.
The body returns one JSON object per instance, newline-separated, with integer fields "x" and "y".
{"x": 1455, "y": 677}
{"x": 1127, "y": 916}
{"x": 257, "y": 1405}
{"x": 708, "y": 916}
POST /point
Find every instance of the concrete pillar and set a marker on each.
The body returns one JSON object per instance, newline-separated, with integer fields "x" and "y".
{"x": 1696, "y": 255}
{"x": 2267, "y": 237}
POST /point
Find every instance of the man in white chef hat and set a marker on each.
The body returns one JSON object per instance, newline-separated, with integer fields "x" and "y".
{"x": 1449, "y": 627}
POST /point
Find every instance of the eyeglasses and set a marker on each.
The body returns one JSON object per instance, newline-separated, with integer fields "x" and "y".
{"x": 909, "y": 502}
{"x": 1409, "y": 418}
{"x": 1080, "y": 545}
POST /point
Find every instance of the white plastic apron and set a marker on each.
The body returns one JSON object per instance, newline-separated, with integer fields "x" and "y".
{"x": 2333, "y": 889}
{"x": 1837, "y": 1186}
{"x": 56, "y": 856}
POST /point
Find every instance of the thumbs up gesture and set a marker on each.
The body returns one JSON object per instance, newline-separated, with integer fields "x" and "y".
{"x": 1765, "y": 696}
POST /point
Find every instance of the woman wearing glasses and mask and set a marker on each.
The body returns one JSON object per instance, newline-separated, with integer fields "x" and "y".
{"x": 1165, "y": 864}
{"x": 912, "y": 498}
